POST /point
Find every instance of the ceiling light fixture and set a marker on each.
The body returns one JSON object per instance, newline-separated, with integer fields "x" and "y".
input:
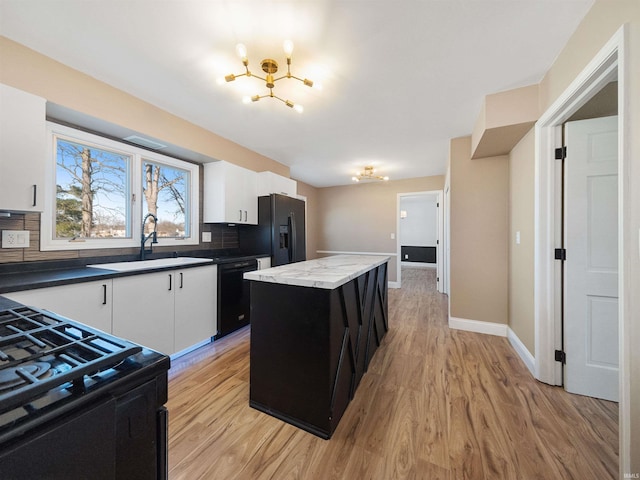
{"x": 270, "y": 67}
{"x": 369, "y": 173}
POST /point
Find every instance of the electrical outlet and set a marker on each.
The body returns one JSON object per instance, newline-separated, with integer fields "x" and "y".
{"x": 15, "y": 238}
{"x": 206, "y": 236}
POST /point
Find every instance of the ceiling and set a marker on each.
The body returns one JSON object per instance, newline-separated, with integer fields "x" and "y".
{"x": 399, "y": 79}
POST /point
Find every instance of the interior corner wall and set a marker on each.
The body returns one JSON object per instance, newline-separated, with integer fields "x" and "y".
{"x": 311, "y": 220}
{"x": 479, "y": 235}
{"x": 521, "y": 256}
{"x": 361, "y": 218}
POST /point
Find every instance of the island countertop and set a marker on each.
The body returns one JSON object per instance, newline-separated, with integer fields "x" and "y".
{"x": 327, "y": 272}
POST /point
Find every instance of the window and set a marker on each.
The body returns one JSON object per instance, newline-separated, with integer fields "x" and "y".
{"x": 165, "y": 195}
{"x": 101, "y": 189}
{"x": 92, "y": 189}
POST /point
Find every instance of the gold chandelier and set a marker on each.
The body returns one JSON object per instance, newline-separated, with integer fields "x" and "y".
{"x": 270, "y": 67}
{"x": 369, "y": 173}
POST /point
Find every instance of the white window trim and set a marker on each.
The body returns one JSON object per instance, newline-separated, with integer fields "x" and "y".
{"x": 47, "y": 221}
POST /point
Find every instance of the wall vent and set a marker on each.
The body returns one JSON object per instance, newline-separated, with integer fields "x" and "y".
{"x": 144, "y": 142}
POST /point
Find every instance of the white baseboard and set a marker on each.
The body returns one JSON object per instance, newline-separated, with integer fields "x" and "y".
{"x": 489, "y": 328}
{"x": 522, "y": 351}
{"x": 394, "y": 284}
{"x": 173, "y": 356}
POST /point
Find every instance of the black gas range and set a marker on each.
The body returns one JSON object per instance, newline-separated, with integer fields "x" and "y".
{"x": 78, "y": 403}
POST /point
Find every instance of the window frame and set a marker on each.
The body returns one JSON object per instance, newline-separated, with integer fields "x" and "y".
{"x": 138, "y": 155}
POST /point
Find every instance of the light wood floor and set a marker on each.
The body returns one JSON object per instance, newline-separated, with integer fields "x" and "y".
{"x": 435, "y": 404}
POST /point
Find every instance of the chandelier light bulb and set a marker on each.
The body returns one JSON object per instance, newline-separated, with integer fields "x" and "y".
{"x": 270, "y": 68}
{"x": 241, "y": 50}
{"x": 246, "y": 100}
{"x": 288, "y": 48}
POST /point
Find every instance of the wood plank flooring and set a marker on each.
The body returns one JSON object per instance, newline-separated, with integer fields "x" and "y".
{"x": 435, "y": 404}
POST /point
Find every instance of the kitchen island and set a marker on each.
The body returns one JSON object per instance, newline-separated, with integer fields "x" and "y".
{"x": 315, "y": 326}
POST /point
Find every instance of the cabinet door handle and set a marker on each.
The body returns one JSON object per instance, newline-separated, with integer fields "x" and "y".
{"x": 181, "y": 280}
{"x": 240, "y": 219}
{"x": 170, "y": 280}
{"x": 245, "y": 215}
{"x": 104, "y": 293}
{"x": 35, "y": 195}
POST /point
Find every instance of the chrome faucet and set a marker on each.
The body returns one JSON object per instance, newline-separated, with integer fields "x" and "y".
{"x": 153, "y": 235}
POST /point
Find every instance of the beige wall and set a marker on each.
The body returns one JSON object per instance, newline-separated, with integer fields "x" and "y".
{"x": 521, "y": 261}
{"x": 311, "y": 194}
{"x": 479, "y": 235}
{"x": 23, "y": 68}
{"x": 361, "y": 218}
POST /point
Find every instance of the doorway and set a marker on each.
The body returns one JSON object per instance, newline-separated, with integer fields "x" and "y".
{"x": 607, "y": 65}
{"x": 420, "y": 229}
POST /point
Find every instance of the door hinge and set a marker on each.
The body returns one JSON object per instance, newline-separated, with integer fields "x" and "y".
{"x": 437, "y": 204}
{"x": 561, "y": 153}
{"x": 561, "y": 254}
{"x": 560, "y": 356}
{"x": 437, "y": 242}
{"x": 437, "y": 279}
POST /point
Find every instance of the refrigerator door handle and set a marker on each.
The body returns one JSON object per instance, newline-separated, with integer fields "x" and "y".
{"x": 294, "y": 238}
{"x": 290, "y": 223}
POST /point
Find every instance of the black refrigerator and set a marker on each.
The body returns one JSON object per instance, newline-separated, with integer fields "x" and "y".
{"x": 280, "y": 232}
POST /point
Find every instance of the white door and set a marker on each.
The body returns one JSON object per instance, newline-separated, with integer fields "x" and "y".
{"x": 591, "y": 267}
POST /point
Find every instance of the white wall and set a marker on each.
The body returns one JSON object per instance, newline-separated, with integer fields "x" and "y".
{"x": 420, "y": 227}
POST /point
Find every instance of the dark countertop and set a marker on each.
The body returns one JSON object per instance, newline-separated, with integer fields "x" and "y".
{"x": 18, "y": 277}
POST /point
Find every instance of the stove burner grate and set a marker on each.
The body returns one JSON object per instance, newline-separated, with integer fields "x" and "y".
{"x": 40, "y": 351}
{"x": 22, "y": 374}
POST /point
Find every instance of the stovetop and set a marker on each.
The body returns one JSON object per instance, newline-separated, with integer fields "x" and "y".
{"x": 47, "y": 360}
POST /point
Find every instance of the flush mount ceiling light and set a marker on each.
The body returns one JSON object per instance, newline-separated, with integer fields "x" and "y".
{"x": 270, "y": 67}
{"x": 369, "y": 173}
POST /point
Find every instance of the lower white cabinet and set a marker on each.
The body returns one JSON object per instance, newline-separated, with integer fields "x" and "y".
{"x": 195, "y": 306}
{"x": 166, "y": 311}
{"x": 264, "y": 262}
{"x": 143, "y": 311}
{"x": 89, "y": 302}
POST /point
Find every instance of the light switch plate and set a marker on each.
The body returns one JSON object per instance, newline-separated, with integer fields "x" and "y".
{"x": 15, "y": 238}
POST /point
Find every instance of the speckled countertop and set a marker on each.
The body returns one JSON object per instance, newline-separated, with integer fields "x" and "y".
{"x": 327, "y": 272}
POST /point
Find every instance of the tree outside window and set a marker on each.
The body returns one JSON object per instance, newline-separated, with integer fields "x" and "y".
{"x": 165, "y": 195}
{"x": 91, "y": 191}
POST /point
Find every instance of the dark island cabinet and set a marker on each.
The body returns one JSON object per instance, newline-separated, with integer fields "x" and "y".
{"x": 310, "y": 347}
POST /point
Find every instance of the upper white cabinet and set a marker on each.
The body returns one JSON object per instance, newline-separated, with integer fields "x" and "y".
{"x": 269, "y": 182}
{"x": 230, "y": 194}
{"x": 23, "y": 150}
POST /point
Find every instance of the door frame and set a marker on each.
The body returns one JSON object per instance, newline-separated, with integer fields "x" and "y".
{"x": 612, "y": 58}
{"x": 439, "y": 248}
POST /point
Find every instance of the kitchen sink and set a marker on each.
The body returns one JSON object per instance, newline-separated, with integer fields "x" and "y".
{"x": 150, "y": 264}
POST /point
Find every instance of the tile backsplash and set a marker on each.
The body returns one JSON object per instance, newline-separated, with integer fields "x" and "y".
{"x": 222, "y": 237}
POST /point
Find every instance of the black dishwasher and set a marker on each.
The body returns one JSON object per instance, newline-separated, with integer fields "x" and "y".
{"x": 234, "y": 303}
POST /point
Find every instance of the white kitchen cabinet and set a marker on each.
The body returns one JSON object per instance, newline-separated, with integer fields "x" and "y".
{"x": 264, "y": 262}
{"x": 143, "y": 309}
{"x": 89, "y": 302}
{"x": 23, "y": 150}
{"x": 166, "y": 311}
{"x": 269, "y": 182}
{"x": 230, "y": 194}
{"x": 195, "y": 306}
